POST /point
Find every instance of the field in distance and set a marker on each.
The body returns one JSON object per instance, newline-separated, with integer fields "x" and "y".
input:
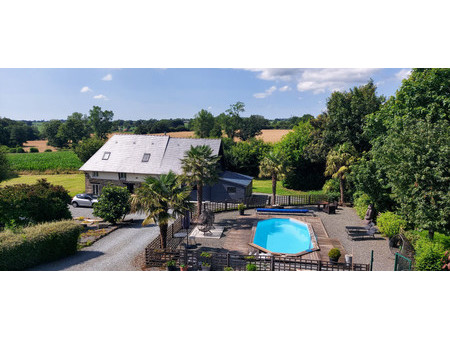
{"x": 268, "y": 135}
{"x": 54, "y": 162}
{"x": 74, "y": 183}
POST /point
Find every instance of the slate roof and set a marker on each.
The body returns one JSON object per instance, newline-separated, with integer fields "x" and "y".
{"x": 127, "y": 152}
{"x": 235, "y": 178}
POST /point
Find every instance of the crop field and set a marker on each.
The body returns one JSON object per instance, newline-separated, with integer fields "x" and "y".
{"x": 267, "y": 135}
{"x": 74, "y": 183}
{"x": 54, "y": 162}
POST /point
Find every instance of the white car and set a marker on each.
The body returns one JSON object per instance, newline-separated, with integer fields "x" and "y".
{"x": 84, "y": 200}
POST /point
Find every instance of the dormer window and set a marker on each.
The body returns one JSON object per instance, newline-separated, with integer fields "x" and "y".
{"x": 106, "y": 155}
{"x": 146, "y": 157}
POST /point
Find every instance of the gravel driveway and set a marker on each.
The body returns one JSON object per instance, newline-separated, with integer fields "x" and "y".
{"x": 114, "y": 252}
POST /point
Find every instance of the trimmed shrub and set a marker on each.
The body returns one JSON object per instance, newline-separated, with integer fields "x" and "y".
{"x": 20, "y": 150}
{"x": 34, "y": 150}
{"x": 47, "y": 151}
{"x": 390, "y": 224}
{"x": 38, "y": 244}
{"x": 113, "y": 203}
{"x": 429, "y": 255}
{"x": 360, "y": 202}
{"x": 334, "y": 254}
{"x": 24, "y": 204}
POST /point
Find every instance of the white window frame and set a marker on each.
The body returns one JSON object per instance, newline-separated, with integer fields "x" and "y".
{"x": 95, "y": 174}
{"x": 96, "y": 189}
{"x": 106, "y": 155}
{"x": 123, "y": 176}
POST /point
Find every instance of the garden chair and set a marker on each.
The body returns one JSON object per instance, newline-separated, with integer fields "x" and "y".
{"x": 362, "y": 234}
{"x": 330, "y": 208}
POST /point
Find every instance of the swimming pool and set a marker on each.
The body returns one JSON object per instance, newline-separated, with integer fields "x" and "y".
{"x": 284, "y": 235}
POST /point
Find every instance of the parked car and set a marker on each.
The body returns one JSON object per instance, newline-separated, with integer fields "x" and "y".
{"x": 84, "y": 200}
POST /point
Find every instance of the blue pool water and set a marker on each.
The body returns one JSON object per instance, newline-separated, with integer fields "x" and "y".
{"x": 283, "y": 235}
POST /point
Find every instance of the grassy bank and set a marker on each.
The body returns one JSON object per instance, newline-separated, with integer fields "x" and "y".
{"x": 265, "y": 187}
{"x": 55, "y": 162}
{"x": 74, "y": 183}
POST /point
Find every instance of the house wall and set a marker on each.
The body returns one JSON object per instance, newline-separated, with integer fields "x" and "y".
{"x": 218, "y": 192}
{"x": 105, "y": 178}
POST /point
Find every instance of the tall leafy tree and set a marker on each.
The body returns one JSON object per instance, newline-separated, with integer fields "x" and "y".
{"x": 231, "y": 120}
{"x": 88, "y": 147}
{"x": 203, "y": 123}
{"x": 74, "y": 129}
{"x": 200, "y": 167}
{"x": 338, "y": 164}
{"x": 347, "y": 112}
{"x": 251, "y": 127}
{"x": 273, "y": 166}
{"x": 100, "y": 121}
{"x": 51, "y": 131}
{"x": 162, "y": 198}
{"x": 411, "y": 144}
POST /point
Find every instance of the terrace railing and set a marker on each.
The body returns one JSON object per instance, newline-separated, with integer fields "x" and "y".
{"x": 218, "y": 261}
{"x": 260, "y": 201}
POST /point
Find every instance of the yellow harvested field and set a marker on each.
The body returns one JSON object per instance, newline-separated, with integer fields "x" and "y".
{"x": 40, "y": 144}
{"x": 268, "y": 135}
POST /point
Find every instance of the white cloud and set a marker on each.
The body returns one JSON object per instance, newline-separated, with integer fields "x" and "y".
{"x": 85, "y": 89}
{"x": 403, "y": 74}
{"x": 266, "y": 93}
{"x": 100, "y": 96}
{"x": 107, "y": 77}
{"x": 320, "y": 80}
{"x": 317, "y": 80}
{"x": 285, "y": 89}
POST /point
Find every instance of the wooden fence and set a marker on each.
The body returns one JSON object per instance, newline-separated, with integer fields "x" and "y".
{"x": 218, "y": 261}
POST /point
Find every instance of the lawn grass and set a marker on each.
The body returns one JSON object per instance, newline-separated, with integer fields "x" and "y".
{"x": 54, "y": 162}
{"x": 265, "y": 187}
{"x": 74, "y": 183}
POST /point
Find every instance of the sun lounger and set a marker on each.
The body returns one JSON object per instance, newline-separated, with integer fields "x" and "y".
{"x": 362, "y": 234}
{"x": 359, "y": 228}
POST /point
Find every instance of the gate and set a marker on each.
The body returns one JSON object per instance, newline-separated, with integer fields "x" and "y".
{"x": 402, "y": 263}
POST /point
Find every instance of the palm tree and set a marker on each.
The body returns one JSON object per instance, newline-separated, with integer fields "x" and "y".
{"x": 338, "y": 164}
{"x": 272, "y": 166}
{"x": 163, "y": 198}
{"x": 200, "y": 167}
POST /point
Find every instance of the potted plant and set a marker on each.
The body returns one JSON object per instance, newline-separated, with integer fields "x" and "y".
{"x": 183, "y": 267}
{"x": 250, "y": 267}
{"x": 334, "y": 255}
{"x": 171, "y": 266}
{"x": 206, "y": 266}
{"x": 241, "y": 208}
{"x": 228, "y": 268}
{"x": 206, "y": 254}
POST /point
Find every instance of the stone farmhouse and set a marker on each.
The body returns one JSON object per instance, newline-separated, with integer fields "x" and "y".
{"x": 126, "y": 160}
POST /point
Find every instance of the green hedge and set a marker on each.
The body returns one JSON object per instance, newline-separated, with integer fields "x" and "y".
{"x": 30, "y": 246}
{"x": 360, "y": 202}
{"x": 428, "y": 255}
{"x": 390, "y": 224}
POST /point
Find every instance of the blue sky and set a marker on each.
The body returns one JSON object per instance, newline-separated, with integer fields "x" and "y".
{"x": 35, "y": 94}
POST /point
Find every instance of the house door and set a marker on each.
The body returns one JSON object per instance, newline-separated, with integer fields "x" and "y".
{"x": 130, "y": 188}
